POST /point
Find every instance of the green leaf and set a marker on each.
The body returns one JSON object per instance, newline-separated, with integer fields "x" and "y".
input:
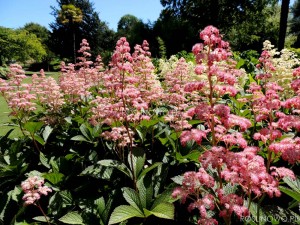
{"x": 251, "y": 79}
{"x": 85, "y": 131}
{"x": 41, "y": 218}
{"x": 165, "y": 197}
{"x": 145, "y": 188}
{"x": 192, "y": 122}
{"x": 141, "y": 135}
{"x": 192, "y": 156}
{"x": 132, "y": 198}
{"x": 254, "y": 208}
{"x": 79, "y": 138}
{"x": 71, "y": 218}
{"x": 294, "y": 184}
{"x": 68, "y": 119}
{"x": 66, "y": 197}
{"x": 54, "y": 178}
{"x": 44, "y": 160}
{"x": 124, "y": 212}
{"x": 3, "y": 208}
{"x": 177, "y": 179}
{"x": 104, "y": 208}
{"x": 148, "y": 169}
{"x": 240, "y": 63}
{"x": 98, "y": 171}
{"x": 148, "y": 123}
{"x": 137, "y": 157}
{"x": 116, "y": 164}
{"x": 54, "y": 165}
{"x": 15, "y": 194}
{"x": 33, "y": 127}
{"x": 163, "y": 210}
{"x": 46, "y": 133}
{"x": 294, "y": 194}
{"x": 39, "y": 139}
{"x": 100, "y": 202}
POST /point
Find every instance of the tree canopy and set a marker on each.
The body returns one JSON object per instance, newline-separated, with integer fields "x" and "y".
{"x": 246, "y": 18}
{"x": 20, "y": 45}
{"x": 97, "y": 32}
{"x": 133, "y": 29}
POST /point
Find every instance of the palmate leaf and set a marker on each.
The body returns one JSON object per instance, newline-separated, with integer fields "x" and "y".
{"x": 72, "y": 218}
{"x": 124, "y": 212}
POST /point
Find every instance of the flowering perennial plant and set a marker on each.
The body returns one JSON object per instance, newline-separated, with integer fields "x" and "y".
{"x": 17, "y": 94}
{"x": 126, "y": 115}
{"x": 236, "y": 160}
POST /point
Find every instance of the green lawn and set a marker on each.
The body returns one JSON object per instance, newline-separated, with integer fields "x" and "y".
{"x": 4, "y": 110}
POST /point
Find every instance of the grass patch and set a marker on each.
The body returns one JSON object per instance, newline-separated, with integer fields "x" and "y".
{"x": 4, "y": 120}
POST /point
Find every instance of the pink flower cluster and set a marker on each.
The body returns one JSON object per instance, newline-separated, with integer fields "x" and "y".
{"x": 225, "y": 131}
{"x": 193, "y": 186}
{"x": 232, "y": 203}
{"x": 127, "y": 89}
{"x": 34, "y": 187}
{"x": 48, "y": 92}
{"x": 18, "y": 95}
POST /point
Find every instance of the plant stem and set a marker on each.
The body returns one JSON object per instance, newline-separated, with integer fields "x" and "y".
{"x": 39, "y": 206}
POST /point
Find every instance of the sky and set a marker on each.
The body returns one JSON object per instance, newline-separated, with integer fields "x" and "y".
{"x": 16, "y": 13}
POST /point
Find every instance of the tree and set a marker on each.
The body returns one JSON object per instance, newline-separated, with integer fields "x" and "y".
{"x": 244, "y": 16}
{"x": 295, "y": 23}
{"x": 283, "y": 23}
{"x": 20, "y": 45}
{"x": 40, "y": 31}
{"x": 177, "y": 34}
{"x": 43, "y": 34}
{"x": 133, "y": 29}
{"x": 97, "y": 33}
{"x": 248, "y": 35}
{"x": 69, "y": 14}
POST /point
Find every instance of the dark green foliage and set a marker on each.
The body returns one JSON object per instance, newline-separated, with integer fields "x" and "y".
{"x": 295, "y": 22}
{"x": 133, "y": 29}
{"x": 244, "y": 23}
{"x": 97, "y": 32}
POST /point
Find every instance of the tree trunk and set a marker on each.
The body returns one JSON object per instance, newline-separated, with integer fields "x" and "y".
{"x": 74, "y": 47}
{"x": 283, "y": 23}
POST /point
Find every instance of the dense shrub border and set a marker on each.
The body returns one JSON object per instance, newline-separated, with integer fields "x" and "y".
{"x": 122, "y": 144}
